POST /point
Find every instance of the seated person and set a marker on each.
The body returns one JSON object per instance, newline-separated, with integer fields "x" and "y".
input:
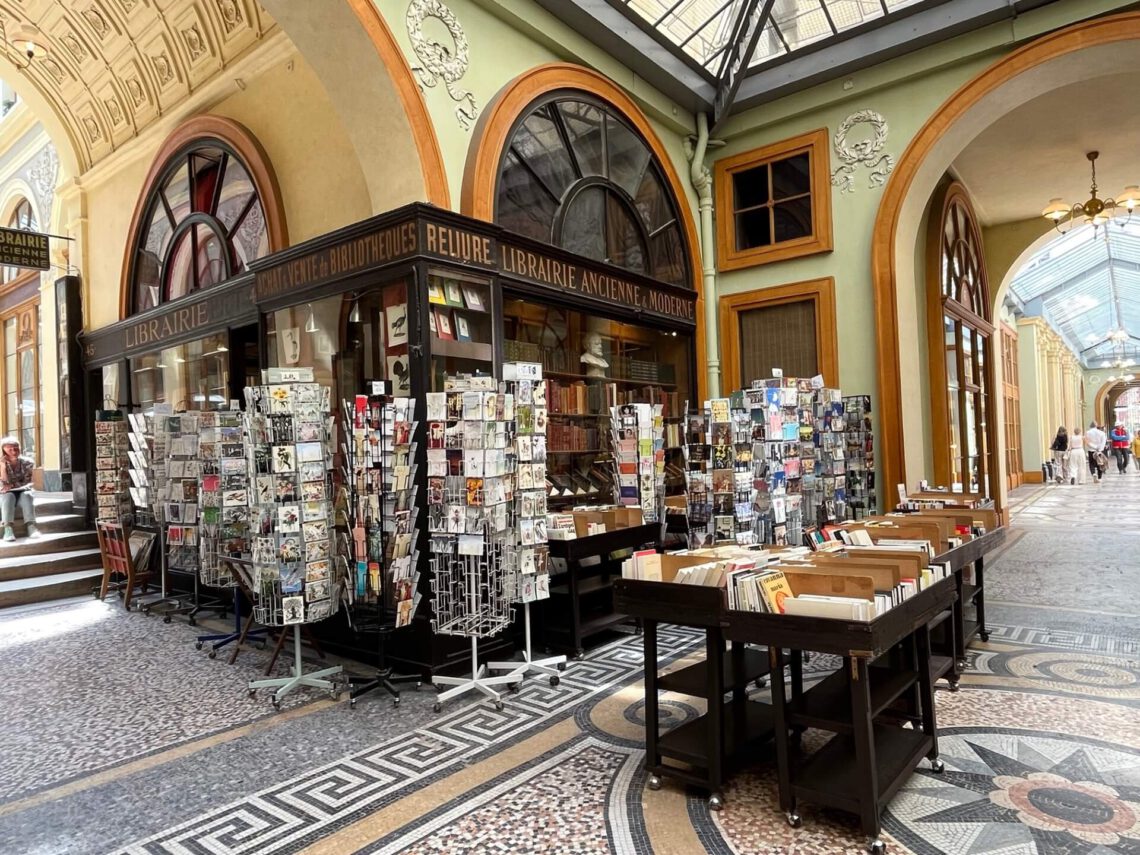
{"x": 16, "y": 488}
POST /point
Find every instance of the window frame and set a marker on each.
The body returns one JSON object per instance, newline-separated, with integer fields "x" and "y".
{"x": 979, "y": 386}
{"x": 821, "y": 292}
{"x": 815, "y": 145}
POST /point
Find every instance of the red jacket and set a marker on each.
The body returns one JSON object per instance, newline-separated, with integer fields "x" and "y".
{"x": 1119, "y": 437}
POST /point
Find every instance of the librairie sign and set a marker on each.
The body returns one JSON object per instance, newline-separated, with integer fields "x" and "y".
{"x": 518, "y": 259}
{"x": 24, "y": 249}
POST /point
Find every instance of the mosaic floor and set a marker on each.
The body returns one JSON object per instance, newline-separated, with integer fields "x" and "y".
{"x": 119, "y": 737}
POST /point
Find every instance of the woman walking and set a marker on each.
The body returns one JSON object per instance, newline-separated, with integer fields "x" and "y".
{"x": 1078, "y": 460}
{"x": 1120, "y": 443}
{"x": 1136, "y": 449}
{"x": 1060, "y": 449}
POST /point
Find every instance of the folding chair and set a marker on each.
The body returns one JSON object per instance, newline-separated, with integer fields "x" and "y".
{"x": 114, "y": 547}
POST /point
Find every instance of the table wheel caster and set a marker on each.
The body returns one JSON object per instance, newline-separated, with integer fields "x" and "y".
{"x": 761, "y": 683}
{"x": 937, "y": 766}
{"x": 437, "y": 706}
{"x": 191, "y": 621}
{"x": 213, "y": 654}
{"x": 352, "y": 703}
{"x": 396, "y": 701}
{"x": 166, "y": 619}
{"x": 561, "y": 666}
{"x": 253, "y": 693}
{"x": 716, "y": 802}
{"x": 985, "y": 636}
{"x": 197, "y": 645}
{"x": 554, "y": 681}
{"x": 877, "y": 847}
{"x": 334, "y": 694}
{"x": 793, "y": 819}
{"x": 514, "y": 687}
{"x": 276, "y": 702}
{"x": 499, "y": 706}
{"x": 954, "y": 687}
{"x": 963, "y": 665}
{"x": 654, "y": 783}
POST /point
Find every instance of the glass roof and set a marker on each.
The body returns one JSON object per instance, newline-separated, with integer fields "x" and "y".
{"x": 702, "y": 29}
{"x": 1086, "y": 284}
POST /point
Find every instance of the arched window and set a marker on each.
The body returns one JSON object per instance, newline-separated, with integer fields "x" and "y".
{"x": 577, "y": 175}
{"x": 24, "y": 218}
{"x": 203, "y": 222}
{"x": 959, "y": 317}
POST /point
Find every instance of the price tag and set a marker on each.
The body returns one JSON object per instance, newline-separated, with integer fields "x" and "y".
{"x": 522, "y": 371}
{"x": 379, "y": 387}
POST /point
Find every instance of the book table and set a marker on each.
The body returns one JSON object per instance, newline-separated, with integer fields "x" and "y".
{"x": 582, "y": 575}
{"x": 729, "y": 733}
{"x": 949, "y": 659}
{"x": 884, "y": 660}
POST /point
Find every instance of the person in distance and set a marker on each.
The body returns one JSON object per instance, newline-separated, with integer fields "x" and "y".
{"x": 1078, "y": 459}
{"x": 1120, "y": 443}
{"x": 1136, "y": 449}
{"x": 1095, "y": 441}
{"x": 1060, "y": 449}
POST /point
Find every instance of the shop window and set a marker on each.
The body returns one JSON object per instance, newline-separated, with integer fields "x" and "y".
{"x": 188, "y": 377}
{"x": 575, "y": 174}
{"x": 960, "y": 370}
{"x": 23, "y": 394}
{"x": 774, "y": 202}
{"x": 203, "y": 221}
{"x": 790, "y": 327}
{"x": 1011, "y": 394}
{"x": 23, "y": 218}
{"x": 592, "y": 363}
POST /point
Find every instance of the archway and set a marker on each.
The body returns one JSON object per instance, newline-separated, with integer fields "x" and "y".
{"x": 1081, "y": 52}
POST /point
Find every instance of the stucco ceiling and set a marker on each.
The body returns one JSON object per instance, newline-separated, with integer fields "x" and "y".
{"x": 1037, "y": 150}
{"x": 114, "y": 66}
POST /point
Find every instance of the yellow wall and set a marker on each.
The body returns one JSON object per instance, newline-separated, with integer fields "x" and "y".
{"x": 287, "y": 110}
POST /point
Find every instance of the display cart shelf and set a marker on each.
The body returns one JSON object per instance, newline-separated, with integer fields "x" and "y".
{"x": 826, "y": 704}
{"x": 587, "y": 607}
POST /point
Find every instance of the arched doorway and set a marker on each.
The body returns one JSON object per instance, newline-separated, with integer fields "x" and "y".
{"x": 1079, "y": 53}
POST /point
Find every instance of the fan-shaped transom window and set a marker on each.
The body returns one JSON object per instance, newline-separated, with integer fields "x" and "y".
{"x": 575, "y": 174}
{"x": 203, "y": 223}
{"x": 962, "y": 274}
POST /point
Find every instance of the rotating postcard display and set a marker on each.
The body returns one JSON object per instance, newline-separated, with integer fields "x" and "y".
{"x": 224, "y": 531}
{"x": 296, "y": 573}
{"x": 719, "y": 462}
{"x": 530, "y": 574}
{"x": 379, "y": 455}
{"x": 639, "y": 457}
{"x": 471, "y": 469}
{"x": 175, "y": 472}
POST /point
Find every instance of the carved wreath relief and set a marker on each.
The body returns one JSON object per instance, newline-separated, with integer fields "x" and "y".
{"x": 437, "y": 61}
{"x": 865, "y": 152}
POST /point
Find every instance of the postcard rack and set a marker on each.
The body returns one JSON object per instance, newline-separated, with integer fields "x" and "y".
{"x": 296, "y": 574}
{"x": 379, "y": 453}
{"x": 530, "y": 559}
{"x": 730, "y": 733}
{"x": 471, "y": 557}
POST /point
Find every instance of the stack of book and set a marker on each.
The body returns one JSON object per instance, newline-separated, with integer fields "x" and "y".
{"x": 112, "y": 481}
{"x": 639, "y": 457}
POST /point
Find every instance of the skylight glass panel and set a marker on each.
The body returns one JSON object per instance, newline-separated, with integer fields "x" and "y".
{"x": 701, "y": 28}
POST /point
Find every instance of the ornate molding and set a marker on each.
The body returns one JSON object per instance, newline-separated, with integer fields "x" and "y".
{"x": 441, "y": 62}
{"x": 865, "y": 152}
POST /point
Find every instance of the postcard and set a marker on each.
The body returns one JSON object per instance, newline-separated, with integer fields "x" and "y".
{"x": 289, "y": 519}
{"x": 292, "y": 610}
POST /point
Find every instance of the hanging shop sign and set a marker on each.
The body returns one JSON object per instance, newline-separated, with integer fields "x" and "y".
{"x": 24, "y": 249}
{"x": 421, "y": 231}
{"x": 214, "y": 310}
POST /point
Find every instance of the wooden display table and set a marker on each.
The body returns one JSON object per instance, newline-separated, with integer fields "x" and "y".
{"x": 728, "y": 735}
{"x": 861, "y": 768}
{"x": 581, "y": 600}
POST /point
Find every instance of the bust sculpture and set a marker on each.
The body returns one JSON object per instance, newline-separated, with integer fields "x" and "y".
{"x": 595, "y": 364}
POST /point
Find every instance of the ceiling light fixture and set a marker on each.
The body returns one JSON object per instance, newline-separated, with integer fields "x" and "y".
{"x": 1095, "y": 210}
{"x": 311, "y": 323}
{"x": 28, "y": 42}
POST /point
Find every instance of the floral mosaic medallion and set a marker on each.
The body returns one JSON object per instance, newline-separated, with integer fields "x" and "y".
{"x": 1014, "y": 792}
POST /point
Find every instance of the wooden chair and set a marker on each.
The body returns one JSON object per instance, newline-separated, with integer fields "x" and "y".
{"x": 115, "y": 549}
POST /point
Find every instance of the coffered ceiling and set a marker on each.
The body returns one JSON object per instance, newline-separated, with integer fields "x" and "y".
{"x": 114, "y": 66}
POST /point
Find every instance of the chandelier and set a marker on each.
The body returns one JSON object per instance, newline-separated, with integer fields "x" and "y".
{"x": 1119, "y": 339}
{"x": 1095, "y": 210}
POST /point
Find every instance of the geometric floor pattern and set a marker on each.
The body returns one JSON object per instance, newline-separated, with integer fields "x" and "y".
{"x": 1041, "y": 745}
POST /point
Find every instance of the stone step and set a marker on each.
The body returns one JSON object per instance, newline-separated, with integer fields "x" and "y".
{"x": 57, "y": 586}
{"x": 52, "y": 504}
{"x": 51, "y": 523}
{"x": 17, "y": 567}
{"x": 49, "y": 542}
